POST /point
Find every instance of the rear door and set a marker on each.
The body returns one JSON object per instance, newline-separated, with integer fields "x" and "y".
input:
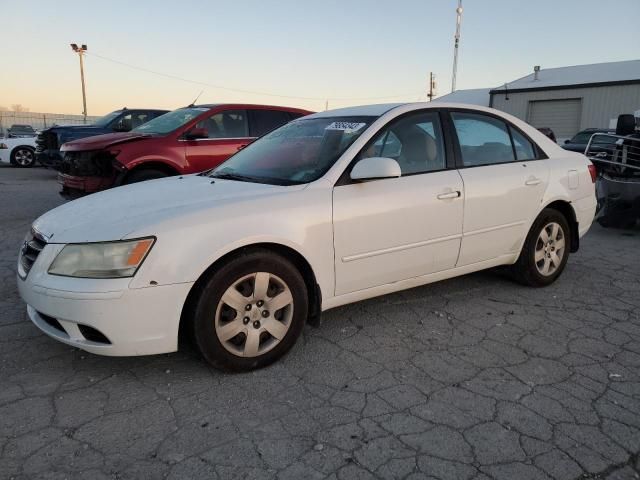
{"x": 505, "y": 176}
{"x": 227, "y": 132}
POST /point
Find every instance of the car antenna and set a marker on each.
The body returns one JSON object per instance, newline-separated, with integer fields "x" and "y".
{"x": 196, "y": 99}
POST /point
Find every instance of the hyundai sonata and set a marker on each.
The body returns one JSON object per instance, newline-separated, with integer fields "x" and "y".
{"x": 329, "y": 209}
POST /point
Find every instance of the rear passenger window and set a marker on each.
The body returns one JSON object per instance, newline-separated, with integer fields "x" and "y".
{"x": 483, "y": 140}
{"x": 263, "y": 121}
{"x": 228, "y": 124}
{"x": 524, "y": 148}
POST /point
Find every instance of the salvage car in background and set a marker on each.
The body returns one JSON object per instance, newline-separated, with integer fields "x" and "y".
{"x": 187, "y": 140}
{"x": 579, "y": 142}
{"x": 49, "y": 140}
{"x": 20, "y": 131}
{"x": 327, "y": 210}
{"x": 618, "y": 184}
{"x": 18, "y": 151}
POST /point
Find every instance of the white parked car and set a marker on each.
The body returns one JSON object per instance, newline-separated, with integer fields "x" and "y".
{"x": 329, "y": 209}
{"x": 18, "y": 151}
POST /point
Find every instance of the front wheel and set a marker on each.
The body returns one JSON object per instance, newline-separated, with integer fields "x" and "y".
{"x": 250, "y": 311}
{"x": 545, "y": 251}
{"x": 23, "y": 157}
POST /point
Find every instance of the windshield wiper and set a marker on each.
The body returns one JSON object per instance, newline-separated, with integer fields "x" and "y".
{"x": 236, "y": 176}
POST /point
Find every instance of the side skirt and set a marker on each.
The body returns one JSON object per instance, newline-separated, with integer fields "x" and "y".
{"x": 416, "y": 281}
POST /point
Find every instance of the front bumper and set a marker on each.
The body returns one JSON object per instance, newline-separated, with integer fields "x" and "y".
{"x": 49, "y": 158}
{"x": 105, "y": 317}
{"x": 74, "y": 185}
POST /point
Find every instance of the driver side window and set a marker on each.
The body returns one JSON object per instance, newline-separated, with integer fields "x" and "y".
{"x": 414, "y": 141}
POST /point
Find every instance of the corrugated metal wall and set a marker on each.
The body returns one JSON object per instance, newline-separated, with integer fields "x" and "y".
{"x": 599, "y": 104}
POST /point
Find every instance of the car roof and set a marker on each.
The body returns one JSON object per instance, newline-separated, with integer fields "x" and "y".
{"x": 380, "y": 109}
{"x": 362, "y": 110}
{"x": 245, "y": 105}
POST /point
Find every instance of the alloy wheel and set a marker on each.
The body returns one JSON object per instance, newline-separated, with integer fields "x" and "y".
{"x": 550, "y": 249}
{"x": 23, "y": 157}
{"x": 254, "y": 314}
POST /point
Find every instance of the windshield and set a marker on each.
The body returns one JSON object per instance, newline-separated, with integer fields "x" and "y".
{"x": 107, "y": 119}
{"x": 170, "y": 121}
{"x": 584, "y": 137}
{"x": 299, "y": 152}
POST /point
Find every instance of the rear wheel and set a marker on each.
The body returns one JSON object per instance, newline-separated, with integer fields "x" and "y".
{"x": 250, "y": 311}
{"x": 23, "y": 157}
{"x": 143, "y": 175}
{"x": 545, "y": 251}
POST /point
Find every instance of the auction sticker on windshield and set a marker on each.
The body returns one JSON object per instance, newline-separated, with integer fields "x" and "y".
{"x": 347, "y": 127}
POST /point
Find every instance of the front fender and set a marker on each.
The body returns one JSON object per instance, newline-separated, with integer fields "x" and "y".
{"x": 187, "y": 246}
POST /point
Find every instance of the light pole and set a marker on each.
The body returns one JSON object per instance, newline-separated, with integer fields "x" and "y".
{"x": 455, "y": 45}
{"x": 80, "y": 51}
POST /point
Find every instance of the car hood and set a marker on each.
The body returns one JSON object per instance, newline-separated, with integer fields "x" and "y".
{"x": 99, "y": 142}
{"x": 140, "y": 209}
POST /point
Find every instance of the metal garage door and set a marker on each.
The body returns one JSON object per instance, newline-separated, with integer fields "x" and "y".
{"x": 561, "y": 116}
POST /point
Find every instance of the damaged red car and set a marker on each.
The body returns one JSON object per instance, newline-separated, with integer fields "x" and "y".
{"x": 187, "y": 140}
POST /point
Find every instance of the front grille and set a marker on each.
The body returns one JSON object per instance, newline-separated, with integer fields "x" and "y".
{"x": 46, "y": 141}
{"x": 30, "y": 251}
{"x": 88, "y": 164}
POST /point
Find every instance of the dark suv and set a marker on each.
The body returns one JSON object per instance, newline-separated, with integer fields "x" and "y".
{"x": 580, "y": 140}
{"x": 49, "y": 140}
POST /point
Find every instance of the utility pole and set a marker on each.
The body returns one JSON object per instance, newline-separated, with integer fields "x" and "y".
{"x": 80, "y": 51}
{"x": 432, "y": 86}
{"x": 326, "y": 105}
{"x": 455, "y": 45}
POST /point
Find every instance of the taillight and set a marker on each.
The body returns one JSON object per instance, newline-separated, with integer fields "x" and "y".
{"x": 593, "y": 172}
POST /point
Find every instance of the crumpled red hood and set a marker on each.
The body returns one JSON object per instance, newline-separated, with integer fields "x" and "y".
{"x": 98, "y": 142}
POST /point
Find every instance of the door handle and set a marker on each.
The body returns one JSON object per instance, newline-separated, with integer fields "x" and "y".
{"x": 448, "y": 195}
{"x": 532, "y": 181}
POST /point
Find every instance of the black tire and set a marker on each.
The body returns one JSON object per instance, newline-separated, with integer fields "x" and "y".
{"x": 202, "y": 314}
{"x": 525, "y": 270}
{"x": 144, "y": 175}
{"x": 23, "y": 157}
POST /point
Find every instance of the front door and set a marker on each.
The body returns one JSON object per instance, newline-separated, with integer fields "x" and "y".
{"x": 228, "y": 132}
{"x": 504, "y": 177}
{"x": 398, "y": 228}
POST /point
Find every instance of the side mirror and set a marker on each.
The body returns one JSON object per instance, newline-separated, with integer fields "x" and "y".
{"x": 375, "y": 168}
{"x": 196, "y": 133}
{"x": 567, "y": 141}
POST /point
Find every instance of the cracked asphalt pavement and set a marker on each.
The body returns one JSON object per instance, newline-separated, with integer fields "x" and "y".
{"x": 471, "y": 378}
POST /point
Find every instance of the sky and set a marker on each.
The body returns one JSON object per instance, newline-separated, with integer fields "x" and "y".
{"x": 286, "y": 52}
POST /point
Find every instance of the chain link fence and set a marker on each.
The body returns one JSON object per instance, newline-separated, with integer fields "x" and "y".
{"x": 40, "y": 120}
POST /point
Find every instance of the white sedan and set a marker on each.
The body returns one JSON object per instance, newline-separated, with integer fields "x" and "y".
{"x": 18, "y": 151}
{"x": 330, "y": 209}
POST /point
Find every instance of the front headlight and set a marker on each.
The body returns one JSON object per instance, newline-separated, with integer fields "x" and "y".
{"x": 101, "y": 260}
